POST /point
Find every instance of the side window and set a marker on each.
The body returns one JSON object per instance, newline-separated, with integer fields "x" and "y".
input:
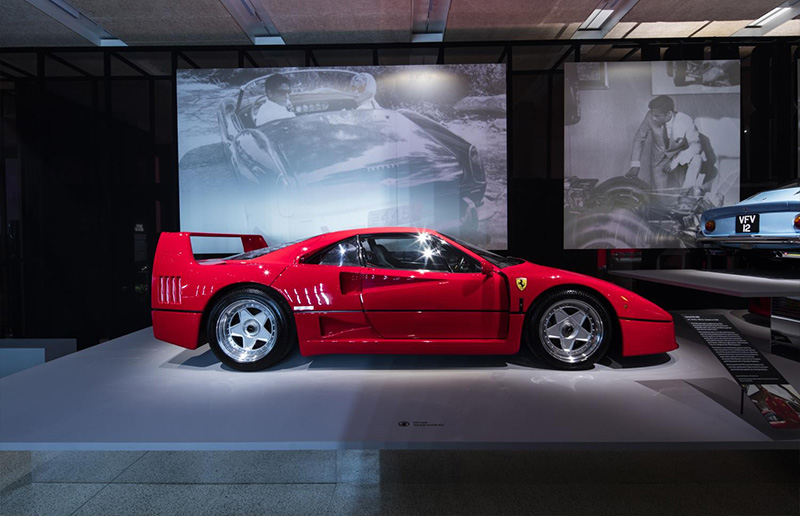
{"x": 415, "y": 252}
{"x": 341, "y": 254}
{"x": 456, "y": 259}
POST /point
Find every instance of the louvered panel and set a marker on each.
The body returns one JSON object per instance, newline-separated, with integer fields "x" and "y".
{"x": 169, "y": 290}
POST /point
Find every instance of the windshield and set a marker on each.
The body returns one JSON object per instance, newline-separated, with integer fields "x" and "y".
{"x": 316, "y": 85}
{"x": 494, "y": 259}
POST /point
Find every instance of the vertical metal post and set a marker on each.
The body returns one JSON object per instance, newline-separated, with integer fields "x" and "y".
{"x": 509, "y": 132}
{"x": 5, "y": 262}
{"x": 175, "y": 219}
{"x": 741, "y": 401}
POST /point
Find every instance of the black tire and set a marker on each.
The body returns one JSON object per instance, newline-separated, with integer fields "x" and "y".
{"x": 276, "y": 332}
{"x": 598, "y": 325}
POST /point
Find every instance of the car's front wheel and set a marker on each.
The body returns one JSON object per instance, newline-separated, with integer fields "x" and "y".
{"x": 249, "y": 330}
{"x": 569, "y": 329}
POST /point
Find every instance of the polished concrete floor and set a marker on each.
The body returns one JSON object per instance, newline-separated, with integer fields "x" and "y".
{"x": 137, "y": 393}
{"x": 322, "y": 482}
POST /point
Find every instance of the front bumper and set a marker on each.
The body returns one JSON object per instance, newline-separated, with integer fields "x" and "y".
{"x": 752, "y": 241}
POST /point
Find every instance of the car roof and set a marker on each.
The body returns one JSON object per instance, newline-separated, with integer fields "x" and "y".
{"x": 335, "y": 236}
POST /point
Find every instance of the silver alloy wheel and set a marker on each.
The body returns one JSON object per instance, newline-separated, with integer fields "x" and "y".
{"x": 247, "y": 330}
{"x": 571, "y": 330}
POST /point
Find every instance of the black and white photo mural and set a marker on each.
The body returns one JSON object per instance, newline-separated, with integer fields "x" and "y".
{"x": 294, "y": 152}
{"x": 648, "y": 147}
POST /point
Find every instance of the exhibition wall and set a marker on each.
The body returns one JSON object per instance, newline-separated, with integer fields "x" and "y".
{"x": 90, "y": 168}
{"x": 633, "y": 180}
{"x": 294, "y": 152}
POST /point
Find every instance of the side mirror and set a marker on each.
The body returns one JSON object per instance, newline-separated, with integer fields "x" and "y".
{"x": 486, "y": 268}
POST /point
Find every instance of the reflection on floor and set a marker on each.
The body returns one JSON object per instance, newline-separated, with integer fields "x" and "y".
{"x": 136, "y": 393}
{"x": 357, "y": 482}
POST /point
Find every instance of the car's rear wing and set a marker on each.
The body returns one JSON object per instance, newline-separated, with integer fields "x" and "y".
{"x": 175, "y": 259}
{"x": 174, "y": 250}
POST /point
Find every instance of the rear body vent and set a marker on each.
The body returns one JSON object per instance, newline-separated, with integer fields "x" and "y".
{"x": 169, "y": 290}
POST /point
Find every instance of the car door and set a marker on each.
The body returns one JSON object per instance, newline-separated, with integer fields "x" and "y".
{"x": 325, "y": 292}
{"x": 419, "y": 286}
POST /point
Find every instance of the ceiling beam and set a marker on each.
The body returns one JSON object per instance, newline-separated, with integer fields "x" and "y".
{"x": 429, "y": 20}
{"x": 252, "y": 17}
{"x": 605, "y": 16}
{"x": 76, "y": 21}
{"x": 771, "y": 20}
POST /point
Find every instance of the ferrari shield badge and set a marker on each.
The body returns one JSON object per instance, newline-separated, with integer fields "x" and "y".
{"x": 522, "y": 283}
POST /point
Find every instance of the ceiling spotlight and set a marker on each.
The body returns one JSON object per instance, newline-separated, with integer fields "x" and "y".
{"x": 770, "y": 16}
{"x": 597, "y": 19}
{"x": 64, "y": 6}
{"x": 75, "y": 20}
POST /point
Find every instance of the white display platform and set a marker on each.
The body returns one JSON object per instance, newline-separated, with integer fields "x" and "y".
{"x": 135, "y": 393}
{"x": 752, "y": 284}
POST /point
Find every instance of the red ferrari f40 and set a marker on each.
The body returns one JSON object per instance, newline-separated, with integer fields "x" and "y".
{"x": 391, "y": 290}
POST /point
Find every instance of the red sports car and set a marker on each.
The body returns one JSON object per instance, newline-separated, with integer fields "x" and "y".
{"x": 391, "y": 290}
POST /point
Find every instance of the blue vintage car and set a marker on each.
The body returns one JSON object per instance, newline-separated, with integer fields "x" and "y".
{"x": 769, "y": 220}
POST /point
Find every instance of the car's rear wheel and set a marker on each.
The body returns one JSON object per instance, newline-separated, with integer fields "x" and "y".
{"x": 569, "y": 329}
{"x": 249, "y": 330}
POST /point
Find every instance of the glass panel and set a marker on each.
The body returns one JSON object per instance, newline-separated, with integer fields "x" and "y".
{"x": 89, "y": 62}
{"x": 415, "y": 252}
{"x": 210, "y": 59}
{"x": 529, "y": 120}
{"x": 343, "y": 254}
{"x": 274, "y": 58}
{"x": 151, "y": 63}
{"x": 527, "y": 58}
{"x": 344, "y": 57}
{"x": 415, "y": 56}
{"x": 18, "y": 64}
{"x": 470, "y": 55}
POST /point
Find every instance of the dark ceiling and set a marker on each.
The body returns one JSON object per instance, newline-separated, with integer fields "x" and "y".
{"x": 214, "y": 22}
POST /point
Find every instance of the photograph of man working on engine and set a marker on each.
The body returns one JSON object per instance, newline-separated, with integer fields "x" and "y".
{"x": 676, "y": 151}
{"x": 643, "y": 158}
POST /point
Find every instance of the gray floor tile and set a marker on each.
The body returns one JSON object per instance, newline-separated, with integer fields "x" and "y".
{"x": 406, "y": 499}
{"x": 358, "y": 466}
{"x": 15, "y": 466}
{"x": 45, "y": 499}
{"x": 235, "y": 467}
{"x": 81, "y": 466}
{"x": 208, "y": 500}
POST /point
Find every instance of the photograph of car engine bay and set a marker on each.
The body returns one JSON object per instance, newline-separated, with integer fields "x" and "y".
{"x": 433, "y": 257}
